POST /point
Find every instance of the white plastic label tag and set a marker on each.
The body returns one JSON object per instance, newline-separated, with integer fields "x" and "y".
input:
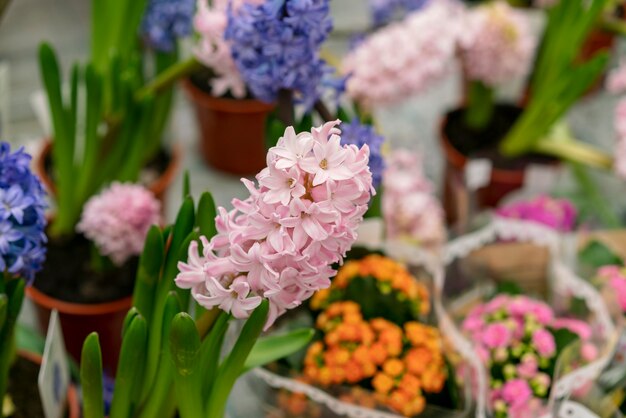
{"x": 477, "y": 173}
{"x": 54, "y": 376}
{"x": 540, "y": 178}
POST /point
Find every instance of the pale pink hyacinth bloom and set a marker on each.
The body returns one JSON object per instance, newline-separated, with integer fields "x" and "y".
{"x": 497, "y": 44}
{"x": 279, "y": 243}
{"x": 212, "y": 50}
{"x": 410, "y": 209}
{"x": 404, "y": 58}
{"x": 118, "y": 219}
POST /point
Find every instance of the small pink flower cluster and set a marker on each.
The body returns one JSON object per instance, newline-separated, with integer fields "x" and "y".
{"x": 410, "y": 209}
{"x": 498, "y": 45}
{"x": 511, "y": 335}
{"x": 615, "y": 278}
{"x": 118, "y": 219}
{"x": 404, "y": 58}
{"x": 213, "y": 51}
{"x": 558, "y": 214}
{"x": 280, "y": 242}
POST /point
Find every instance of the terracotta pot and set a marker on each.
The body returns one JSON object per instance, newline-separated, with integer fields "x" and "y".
{"x": 158, "y": 187}
{"x": 79, "y": 320}
{"x": 73, "y": 403}
{"x": 455, "y": 196}
{"x": 232, "y": 131}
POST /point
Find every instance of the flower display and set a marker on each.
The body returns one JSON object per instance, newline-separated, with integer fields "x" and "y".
{"x": 359, "y": 134}
{"x": 514, "y": 338}
{"x": 403, "y": 363}
{"x": 497, "y": 45}
{"x": 165, "y": 21}
{"x": 275, "y": 45}
{"x": 615, "y": 278}
{"x": 405, "y": 57}
{"x": 118, "y": 219}
{"x": 410, "y": 209}
{"x": 280, "y": 242}
{"x": 384, "y": 11}
{"x": 390, "y": 277}
{"x": 558, "y": 214}
{"x": 22, "y": 219}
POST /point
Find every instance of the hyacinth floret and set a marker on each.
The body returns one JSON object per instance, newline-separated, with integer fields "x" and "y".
{"x": 118, "y": 219}
{"x": 275, "y": 45}
{"x": 359, "y": 134}
{"x": 279, "y": 243}
{"x": 165, "y": 21}
{"x": 22, "y": 217}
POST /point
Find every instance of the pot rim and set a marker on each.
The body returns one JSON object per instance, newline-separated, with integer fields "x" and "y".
{"x": 225, "y": 104}
{"x": 157, "y": 187}
{"x": 73, "y": 405}
{"x": 83, "y": 309}
{"x": 458, "y": 160}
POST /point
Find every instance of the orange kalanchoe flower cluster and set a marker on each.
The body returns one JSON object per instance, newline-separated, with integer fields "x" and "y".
{"x": 390, "y": 275}
{"x": 402, "y": 364}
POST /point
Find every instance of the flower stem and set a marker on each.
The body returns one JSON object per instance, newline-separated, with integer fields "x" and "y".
{"x": 169, "y": 76}
{"x": 575, "y": 151}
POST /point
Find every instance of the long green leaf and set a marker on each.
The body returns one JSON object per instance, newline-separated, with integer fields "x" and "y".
{"x": 129, "y": 378}
{"x": 230, "y": 370}
{"x": 91, "y": 378}
{"x": 185, "y": 350}
{"x": 210, "y": 354}
{"x": 205, "y": 217}
{"x": 150, "y": 265}
{"x": 275, "y": 347}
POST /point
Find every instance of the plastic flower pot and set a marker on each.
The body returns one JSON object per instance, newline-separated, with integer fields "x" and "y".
{"x": 25, "y": 404}
{"x": 232, "y": 131}
{"x": 159, "y": 186}
{"x": 79, "y": 320}
{"x": 507, "y": 175}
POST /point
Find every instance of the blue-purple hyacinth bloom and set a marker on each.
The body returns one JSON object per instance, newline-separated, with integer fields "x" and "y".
{"x": 165, "y": 21}
{"x": 275, "y": 46}
{"x": 22, "y": 218}
{"x": 384, "y": 11}
{"x": 359, "y": 134}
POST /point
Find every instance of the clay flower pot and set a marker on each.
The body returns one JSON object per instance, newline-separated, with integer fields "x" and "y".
{"x": 72, "y": 402}
{"x": 232, "y": 131}
{"x": 79, "y": 320}
{"x": 158, "y": 187}
{"x": 506, "y": 176}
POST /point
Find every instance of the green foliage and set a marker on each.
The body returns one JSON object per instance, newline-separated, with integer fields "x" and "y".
{"x": 168, "y": 362}
{"x": 11, "y": 298}
{"x": 596, "y": 254}
{"x": 119, "y": 131}
{"x": 480, "y": 106}
{"x": 559, "y": 78}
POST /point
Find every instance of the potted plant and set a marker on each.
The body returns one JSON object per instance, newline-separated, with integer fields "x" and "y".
{"x": 22, "y": 254}
{"x": 251, "y": 75}
{"x": 244, "y": 269}
{"x": 109, "y": 128}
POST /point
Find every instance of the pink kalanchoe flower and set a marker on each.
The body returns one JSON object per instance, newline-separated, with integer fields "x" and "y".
{"x": 558, "y": 214}
{"x": 544, "y": 342}
{"x": 497, "y": 45}
{"x": 404, "y": 58}
{"x": 516, "y": 392}
{"x": 411, "y": 211}
{"x": 118, "y": 219}
{"x": 496, "y": 335}
{"x": 280, "y": 243}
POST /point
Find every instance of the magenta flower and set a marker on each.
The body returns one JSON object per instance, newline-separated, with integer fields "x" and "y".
{"x": 516, "y": 392}
{"x": 498, "y": 45}
{"x": 543, "y": 341}
{"x": 118, "y": 219}
{"x": 280, "y": 243}
{"x": 496, "y": 335}
{"x": 558, "y": 214}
